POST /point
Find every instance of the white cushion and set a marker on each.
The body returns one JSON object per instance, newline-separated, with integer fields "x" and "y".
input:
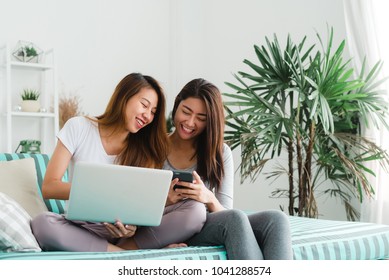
{"x": 18, "y": 180}
{"x": 15, "y": 230}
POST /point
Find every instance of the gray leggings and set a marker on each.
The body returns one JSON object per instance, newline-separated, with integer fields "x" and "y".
{"x": 180, "y": 221}
{"x": 258, "y": 236}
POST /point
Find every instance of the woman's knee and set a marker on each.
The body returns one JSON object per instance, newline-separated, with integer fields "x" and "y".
{"x": 196, "y": 215}
{"x": 279, "y": 217}
{"x": 226, "y": 221}
{"x": 44, "y": 226}
{"x": 272, "y": 218}
{"x": 236, "y": 214}
{"x": 54, "y": 232}
{"x": 235, "y": 217}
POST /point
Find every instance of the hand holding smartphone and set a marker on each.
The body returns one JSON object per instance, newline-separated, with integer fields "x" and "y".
{"x": 183, "y": 176}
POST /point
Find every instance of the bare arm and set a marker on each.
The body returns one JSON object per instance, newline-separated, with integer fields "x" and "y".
{"x": 52, "y": 186}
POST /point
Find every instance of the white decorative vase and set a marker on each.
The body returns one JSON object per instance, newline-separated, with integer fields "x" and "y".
{"x": 30, "y": 106}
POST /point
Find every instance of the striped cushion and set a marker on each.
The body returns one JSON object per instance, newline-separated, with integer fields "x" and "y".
{"x": 315, "y": 239}
{"x": 15, "y": 231}
{"x": 41, "y": 160}
{"x": 185, "y": 253}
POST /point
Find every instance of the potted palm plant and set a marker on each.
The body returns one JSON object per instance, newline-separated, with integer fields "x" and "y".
{"x": 30, "y": 102}
{"x": 302, "y": 104}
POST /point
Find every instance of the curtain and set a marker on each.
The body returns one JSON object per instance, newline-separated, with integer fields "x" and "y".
{"x": 366, "y": 37}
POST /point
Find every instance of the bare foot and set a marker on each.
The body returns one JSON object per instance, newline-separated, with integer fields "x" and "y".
{"x": 175, "y": 245}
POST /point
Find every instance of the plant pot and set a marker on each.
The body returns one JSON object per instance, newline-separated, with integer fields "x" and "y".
{"x": 25, "y": 58}
{"x": 30, "y": 106}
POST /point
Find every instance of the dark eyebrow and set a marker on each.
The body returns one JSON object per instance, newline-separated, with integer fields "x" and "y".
{"x": 186, "y": 107}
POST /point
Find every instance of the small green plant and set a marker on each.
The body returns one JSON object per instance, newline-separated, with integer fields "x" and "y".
{"x": 30, "y": 94}
{"x": 28, "y": 51}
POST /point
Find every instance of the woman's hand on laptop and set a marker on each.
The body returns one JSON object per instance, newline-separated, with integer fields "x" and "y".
{"x": 118, "y": 230}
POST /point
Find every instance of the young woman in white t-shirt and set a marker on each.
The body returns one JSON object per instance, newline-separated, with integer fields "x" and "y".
{"x": 131, "y": 131}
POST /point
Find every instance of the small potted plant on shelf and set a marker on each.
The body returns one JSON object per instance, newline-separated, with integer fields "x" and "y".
{"x": 27, "y": 52}
{"x": 30, "y": 101}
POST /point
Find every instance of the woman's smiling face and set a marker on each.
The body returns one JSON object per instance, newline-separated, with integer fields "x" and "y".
{"x": 140, "y": 109}
{"x": 190, "y": 119}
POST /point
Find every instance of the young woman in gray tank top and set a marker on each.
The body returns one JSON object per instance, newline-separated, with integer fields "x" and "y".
{"x": 197, "y": 146}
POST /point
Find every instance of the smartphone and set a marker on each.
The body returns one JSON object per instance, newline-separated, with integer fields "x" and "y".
{"x": 183, "y": 176}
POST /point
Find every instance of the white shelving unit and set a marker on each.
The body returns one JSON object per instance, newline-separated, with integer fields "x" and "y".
{"x": 17, "y": 76}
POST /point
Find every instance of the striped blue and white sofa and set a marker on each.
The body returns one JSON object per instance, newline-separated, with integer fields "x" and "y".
{"x": 311, "y": 239}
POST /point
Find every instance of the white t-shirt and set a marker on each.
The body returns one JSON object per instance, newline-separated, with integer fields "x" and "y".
{"x": 82, "y": 138}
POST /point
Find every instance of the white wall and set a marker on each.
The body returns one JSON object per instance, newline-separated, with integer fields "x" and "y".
{"x": 100, "y": 41}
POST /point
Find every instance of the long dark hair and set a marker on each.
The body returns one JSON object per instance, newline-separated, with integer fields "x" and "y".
{"x": 149, "y": 146}
{"x": 209, "y": 145}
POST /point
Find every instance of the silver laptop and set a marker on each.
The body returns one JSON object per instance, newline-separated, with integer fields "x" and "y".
{"x": 108, "y": 192}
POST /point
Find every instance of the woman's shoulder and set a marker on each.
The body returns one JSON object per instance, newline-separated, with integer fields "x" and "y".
{"x": 227, "y": 153}
{"x": 226, "y": 149}
{"x": 78, "y": 125}
{"x": 79, "y": 121}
